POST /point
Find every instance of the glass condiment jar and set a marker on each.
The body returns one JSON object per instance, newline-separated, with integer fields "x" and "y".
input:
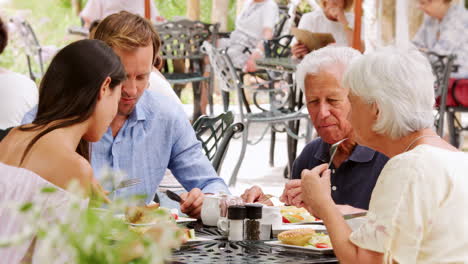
{"x": 252, "y": 222}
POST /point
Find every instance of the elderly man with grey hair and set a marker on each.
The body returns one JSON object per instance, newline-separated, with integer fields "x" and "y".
{"x": 417, "y": 212}
{"x": 355, "y": 168}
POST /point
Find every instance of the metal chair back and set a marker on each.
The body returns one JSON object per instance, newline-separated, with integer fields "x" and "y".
{"x": 283, "y": 18}
{"x": 182, "y": 39}
{"x": 275, "y": 118}
{"x": 279, "y": 47}
{"x": 442, "y": 66}
{"x": 215, "y": 133}
{"x": 32, "y": 48}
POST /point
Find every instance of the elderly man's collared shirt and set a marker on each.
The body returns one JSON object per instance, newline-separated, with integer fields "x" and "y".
{"x": 157, "y": 135}
{"x": 353, "y": 182}
{"x": 453, "y": 37}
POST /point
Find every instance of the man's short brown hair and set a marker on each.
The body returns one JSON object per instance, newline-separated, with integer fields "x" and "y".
{"x": 128, "y": 31}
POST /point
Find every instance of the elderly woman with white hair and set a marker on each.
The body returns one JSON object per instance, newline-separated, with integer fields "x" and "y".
{"x": 417, "y": 212}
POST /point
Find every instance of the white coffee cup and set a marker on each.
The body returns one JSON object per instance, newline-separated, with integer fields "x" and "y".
{"x": 210, "y": 210}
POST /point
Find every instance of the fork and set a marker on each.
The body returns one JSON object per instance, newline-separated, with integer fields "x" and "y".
{"x": 128, "y": 183}
{"x": 333, "y": 150}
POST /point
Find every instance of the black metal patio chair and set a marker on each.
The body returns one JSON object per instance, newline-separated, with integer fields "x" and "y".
{"x": 457, "y": 103}
{"x": 275, "y": 117}
{"x": 215, "y": 133}
{"x": 442, "y": 67}
{"x": 30, "y": 44}
{"x": 180, "y": 42}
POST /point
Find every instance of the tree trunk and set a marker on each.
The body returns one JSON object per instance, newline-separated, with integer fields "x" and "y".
{"x": 193, "y": 9}
{"x": 219, "y": 14}
{"x": 387, "y": 20}
{"x": 76, "y": 4}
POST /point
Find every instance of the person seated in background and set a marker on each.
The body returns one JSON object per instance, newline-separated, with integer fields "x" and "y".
{"x": 99, "y": 9}
{"x": 159, "y": 83}
{"x": 254, "y": 24}
{"x": 355, "y": 168}
{"x": 151, "y": 132}
{"x": 333, "y": 18}
{"x": 417, "y": 212}
{"x": 76, "y": 105}
{"x": 18, "y": 93}
{"x": 445, "y": 31}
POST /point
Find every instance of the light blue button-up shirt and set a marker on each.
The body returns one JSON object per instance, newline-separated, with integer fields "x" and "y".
{"x": 157, "y": 135}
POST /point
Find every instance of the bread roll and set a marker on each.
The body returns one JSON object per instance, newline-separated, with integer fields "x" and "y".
{"x": 296, "y": 237}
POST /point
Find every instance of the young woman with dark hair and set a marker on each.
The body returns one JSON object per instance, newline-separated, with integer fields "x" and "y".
{"x": 78, "y": 99}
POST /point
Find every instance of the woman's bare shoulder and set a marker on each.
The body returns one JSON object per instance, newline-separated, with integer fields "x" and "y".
{"x": 73, "y": 166}
{"x": 61, "y": 167}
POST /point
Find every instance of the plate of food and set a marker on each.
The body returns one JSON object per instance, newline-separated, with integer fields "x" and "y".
{"x": 304, "y": 239}
{"x": 297, "y": 216}
{"x": 150, "y": 214}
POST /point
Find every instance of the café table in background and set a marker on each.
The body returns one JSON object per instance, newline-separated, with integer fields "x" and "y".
{"x": 287, "y": 66}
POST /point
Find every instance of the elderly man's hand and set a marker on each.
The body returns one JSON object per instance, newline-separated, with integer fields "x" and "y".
{"x": 254, "y": 195}
{"x": 192, "y": 203}
{"x": 316, "y": 190}
{"x": 299, "y": 50}
{"x": 292, "y": 194}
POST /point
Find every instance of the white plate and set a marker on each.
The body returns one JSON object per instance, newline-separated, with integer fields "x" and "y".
{"x": 306, "y": 223}
{"x": 319, "y": 250}
{"x": 199, "y": 239}
{"x": 285, "y": 227}
{"x": 181, "y": 220}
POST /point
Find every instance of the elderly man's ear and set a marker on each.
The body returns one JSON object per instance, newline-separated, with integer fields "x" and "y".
{"x": 375, "y": 111}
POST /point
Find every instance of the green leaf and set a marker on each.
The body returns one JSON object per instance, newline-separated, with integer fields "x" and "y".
{"x": 48, "y": 189}
{"x": 26, "y": 207}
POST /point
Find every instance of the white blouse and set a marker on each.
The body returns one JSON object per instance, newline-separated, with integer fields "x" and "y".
{"x": 418, "y": 212}
{"x": 21, "y": 186}
{"x": 18, "y": 94}
{"x": 317, "y": 22}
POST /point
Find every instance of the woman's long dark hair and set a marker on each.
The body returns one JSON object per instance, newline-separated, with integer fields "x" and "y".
{"x": 69, "y": 90}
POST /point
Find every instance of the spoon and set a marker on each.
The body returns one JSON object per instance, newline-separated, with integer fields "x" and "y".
{"x": 333, "y": 150}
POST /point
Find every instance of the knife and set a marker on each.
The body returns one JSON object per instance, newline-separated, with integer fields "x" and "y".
{"x": 354, "y": 215}
{"x": 174, "y": 196}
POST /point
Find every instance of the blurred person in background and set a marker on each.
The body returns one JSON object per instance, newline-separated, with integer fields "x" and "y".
{"x": 445, "y": 31}
{"x": 99, "y": 9}
{"x": 333, "y": 18}
{"x": 18, "y": 93}
{"x": 254, "y": 24}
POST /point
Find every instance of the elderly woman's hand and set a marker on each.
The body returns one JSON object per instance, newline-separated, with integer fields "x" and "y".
{"x": 316, "y": 190}
{"x": 292, "y": 194}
